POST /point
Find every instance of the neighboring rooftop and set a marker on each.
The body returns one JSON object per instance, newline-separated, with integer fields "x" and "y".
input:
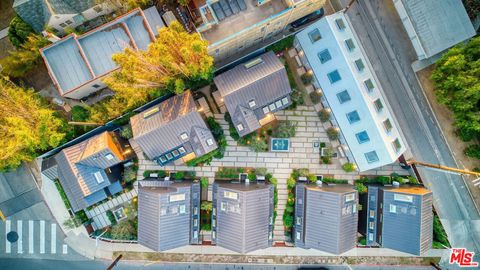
{"x": 77, "y": 60}
{"x": 237, "y": 15}
{"x": 82, "y": 169}
{"x": 37, "y": 13}
{"x": 174, "y": 123}
{"x": 250, "y": 89}
{"x": 434, "y": 26}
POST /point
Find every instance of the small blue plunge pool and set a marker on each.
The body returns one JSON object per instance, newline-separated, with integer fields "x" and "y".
{"x": 279, "y": 145}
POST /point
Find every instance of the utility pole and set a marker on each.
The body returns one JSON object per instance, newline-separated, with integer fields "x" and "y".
{"x": 84, "y": 123}
{"x": 114, "y": 263}
{"x": 444, "y": 168}
{"x": 348, "y": 6}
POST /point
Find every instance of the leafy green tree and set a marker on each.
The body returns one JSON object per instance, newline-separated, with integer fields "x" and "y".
{"x": 25, "y": 58}
{"x": 206, "y": 206}
{"x": 361, "y": 188}
{"x": 457, "y": 85}
{"x": 18, "y": 31}
{"x": 204, "y": 182}
{"x": 27, "y": 125}
{"x": 348, "y": 167}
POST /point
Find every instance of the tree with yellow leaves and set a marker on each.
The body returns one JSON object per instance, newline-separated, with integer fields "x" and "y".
{"x": 173, "y": 61}
{"x": 27, "y": 125}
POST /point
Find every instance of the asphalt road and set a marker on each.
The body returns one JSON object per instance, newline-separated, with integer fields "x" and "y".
{"x": 39, "y": 237}
{"x": 94, "y": 265}
{"x": 391, "y": 54}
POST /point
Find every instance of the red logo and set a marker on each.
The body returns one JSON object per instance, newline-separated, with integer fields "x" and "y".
{"x": 462, "y": 257}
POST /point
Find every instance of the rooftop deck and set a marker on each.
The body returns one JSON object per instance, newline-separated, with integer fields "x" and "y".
{"x": 243, "y": 19}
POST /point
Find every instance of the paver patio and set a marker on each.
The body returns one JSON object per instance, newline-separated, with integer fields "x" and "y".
{"x": 301, "y": 155}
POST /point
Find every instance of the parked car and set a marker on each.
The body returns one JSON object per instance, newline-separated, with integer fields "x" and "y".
{"x": 309, "y": 18}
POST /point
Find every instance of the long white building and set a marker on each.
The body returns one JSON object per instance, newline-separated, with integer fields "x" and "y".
{"x": 330, "y": 49}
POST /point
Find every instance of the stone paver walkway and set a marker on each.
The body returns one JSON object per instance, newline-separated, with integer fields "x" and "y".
{"x": 301, "y": 155}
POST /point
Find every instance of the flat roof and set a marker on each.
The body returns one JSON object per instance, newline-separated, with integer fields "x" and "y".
{"x": 336, "y": 188}
{"x": 76, "y": 60}
{"x": 241, "y": 186}
{"x": 243, "y": 19}
{"x": 414, "y": 190}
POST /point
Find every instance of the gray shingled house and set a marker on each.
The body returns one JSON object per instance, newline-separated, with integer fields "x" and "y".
{"x": 168, "y": 214}
{"x": 326, "y": 217}
{"x": 173, "y": 130}
{"x": 253, "y": 91}
{"x": 88, "y": 170}
{"x": 242, "y": 216}
{"x": 400, "y": 218}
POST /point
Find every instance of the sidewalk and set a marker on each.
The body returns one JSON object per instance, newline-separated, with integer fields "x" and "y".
{"x": 3, "y": 33}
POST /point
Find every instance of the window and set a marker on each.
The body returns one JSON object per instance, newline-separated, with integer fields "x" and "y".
{"x": 378, "y": 105}
{"x": 403, "y": 198}
{"x": 63, "y": 25}
{"x": 372, "y": 213}
{"x": 195, "y": 210}
{"x": 298, "y": 235}
{"x": 350, "y": 44}
{"x": 370, "y": 225}
{"x": 324, "y": 56}
{"x": 240, "y": 127}
{"x": 109, "y": 156}
{"x": 353, "y": 117}
{"x": 362, "y": 137}
{"x": 195, "y": 234}
{"x": 163, "y": 159}
{"x": 370, "y": 237}
{"x": 359, "y": 64}
{"x": 343, "y": 96}
{"x": 278, "y": 103}
{"x": 266, "y": 110}
{"x": 223, "y": 206}
{"x": 182, "y": 209}
{"x": 163, "y": 211}
{"x": 371, "y": 157}
{"x": 177, "y": 197}
{"x": 99, "y": 177}
{"x": 340, "y": 24}
{"x": 209, "y": 142}
{"x": 95, "y": 86}
{"x": 68, "y": 22}
{"x": 393, "y": 208}
{"x": 184, "y": 136}
{"x": 169, "y": 156}
{"x": 396, "y": 145}
{"x": 174, "y": 209}
{"x": 354, "y": 208}
{"x": 252, "y": 103}
{"x": 369, "y": 85}
{"x": 195, "y": 222}
{"x": 230, "y": 195}
{"x": 334, "y": 76}
{"x": 314, "y": 35}
{"x": 182, "y": 150}
{"x": 299, "y": 220}
{"x": 350, "y": 197}
{"x": 388, "y": 125}
{"x": 272, "y": 107}
{"x": 175, "y": 153}
{"x": 285, "y": 100}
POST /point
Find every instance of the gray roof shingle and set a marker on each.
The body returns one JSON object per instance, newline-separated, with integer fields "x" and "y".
{"x": 264, "y": 83}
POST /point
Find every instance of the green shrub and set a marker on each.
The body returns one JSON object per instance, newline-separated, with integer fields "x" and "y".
{"x": 231, "y": 128}
{"x": 160, "y": 173}
{"x": 81, "y": 216}
{"x": 289, "y": 209}
{"x": 204, "y": 182}
{"x": 273, "y": 181}
{"x": 285, "y": 129}
{"x": 361, "y": 188}
{"x": 473, "y": 151}
{"x": 206, "y": 227}
{"x": 412, "y": 180}
{"x": 251, "y": 176}
{"x": 179, "y": 175}
{"x": 297, "y": 99}
{"x": 126, "y": 132}
{"x": 300, "y": 172}
{"x": 383, "y": 180}
{"x": 349, "y": 167}
{"x": 316, "y": 96}
{"x": 312, "y": 178}
{"x": 125, "y": 230}
{"x": 129, "y": 174}
{"x": 362, "y": 241}
{"x": 111, "y": 217}
{"x": 291, "y": 182}
{"x": 306, "y": 78}
{"x": 439, "y": 234}
{"x": 327, "y": 155}
{"x": 62, "y": 193}
{"x": 334, "y": 181}
{"x": 332, "y": 133}
{"x": 288, "y": 220}
{"x": 80, "y": 113}
{"x": 18, "y": 31}
{"x": 215, "y": 127}
{"x": 258, "y": 145}
{"x": 324, "y": 115}
{"x": 281, "y": 45}
{"x": 261, "y": 171}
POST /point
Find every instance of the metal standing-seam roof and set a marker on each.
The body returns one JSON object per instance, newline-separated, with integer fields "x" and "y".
{"x": 438, "y": 25}
{"x": 264, "y": 82}
{"x": 244, "y": 215}
{"x": 158, "y": 130}
{"x": 77, "y": 60}
{"x": 161, "y": 223}
{"x": 78, "y": 164}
